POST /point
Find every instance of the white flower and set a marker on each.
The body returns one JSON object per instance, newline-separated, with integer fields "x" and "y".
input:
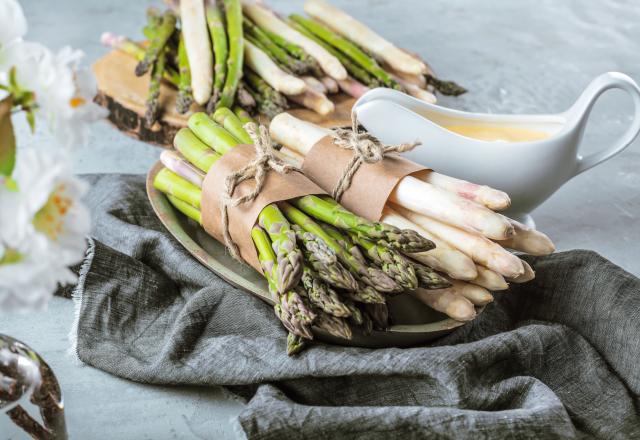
{"x": 13, "y": 24}
{"x": 63, "y": 92}
{"x": 43, "y": 225}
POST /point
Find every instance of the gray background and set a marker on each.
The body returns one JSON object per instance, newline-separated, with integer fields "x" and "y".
{"x": 515, "y": 57}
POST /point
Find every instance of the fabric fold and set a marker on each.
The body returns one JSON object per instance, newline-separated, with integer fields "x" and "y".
{"x": 553, "y": 358}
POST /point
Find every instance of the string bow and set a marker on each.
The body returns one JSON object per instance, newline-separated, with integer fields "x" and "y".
{"x": 367, "y": 149}
{"x": 265, "y": 161}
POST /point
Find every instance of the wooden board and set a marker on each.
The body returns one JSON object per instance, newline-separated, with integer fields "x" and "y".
{"x": 124, "y": 95}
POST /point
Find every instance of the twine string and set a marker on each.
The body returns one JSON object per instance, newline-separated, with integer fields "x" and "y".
{"x": 265, "y": 161}
{"x": 367, "y": 149}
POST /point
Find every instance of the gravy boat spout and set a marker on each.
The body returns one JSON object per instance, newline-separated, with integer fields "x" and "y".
{"x": 530, "y": 168}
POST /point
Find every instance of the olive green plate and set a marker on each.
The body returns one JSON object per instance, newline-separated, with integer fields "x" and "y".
{"x": 415, "y": 323}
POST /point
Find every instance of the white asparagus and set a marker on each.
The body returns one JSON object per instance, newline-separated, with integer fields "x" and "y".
{"x": 416, "y": 91}
{"x": 489, "y": 279}
{"x": 410, "y": 192}
{"x": 330, "y": 84}
{"x": 427, "y": 199}
{"x": 418, "y": 80}
{"x": 477, "y": 295}
{"x": 528, "y": 240}
{"x": 447, "y": 301}
{"x": 480, "y": 249}
{"x": 277, "y": 78}
{"x": 314, "y": 83}
{"x": 363, "y": 36}
{"x": 528, "y": 274}
{"x": 353, "y": 87}
{"x": 267, "y": 19}
{"x": 318, "y": 102}
{"x": 443, "y": 257}
{"x": 493, "y": 199}
{"x": 181, "y": 166}
{"x": 292, "y": 157}
{"x": 198, "y": 46}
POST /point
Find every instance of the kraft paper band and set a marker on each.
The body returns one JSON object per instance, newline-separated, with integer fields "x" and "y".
{"x": 371, "y": 185}
{"x": 242, "y": 218}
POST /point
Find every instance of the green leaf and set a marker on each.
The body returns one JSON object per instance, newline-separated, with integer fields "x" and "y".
{"x": 31, "y": 119}
{"x": 7, "y": 139}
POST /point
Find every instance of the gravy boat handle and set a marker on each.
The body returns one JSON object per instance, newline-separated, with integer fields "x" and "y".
{"x": 581, "y": 110}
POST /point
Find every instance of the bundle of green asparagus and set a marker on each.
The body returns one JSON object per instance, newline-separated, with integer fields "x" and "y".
{"x": 221, "y": 53}
{"x": 325, "y": 266}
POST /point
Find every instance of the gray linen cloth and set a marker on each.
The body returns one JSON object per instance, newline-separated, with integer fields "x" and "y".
{"x": 554, "y": 358}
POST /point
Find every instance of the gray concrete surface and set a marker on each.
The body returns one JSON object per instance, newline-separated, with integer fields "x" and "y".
{"x": 531, "y": 56}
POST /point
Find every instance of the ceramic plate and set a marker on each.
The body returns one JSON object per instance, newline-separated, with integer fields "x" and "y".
{"x": 415, "y": 323}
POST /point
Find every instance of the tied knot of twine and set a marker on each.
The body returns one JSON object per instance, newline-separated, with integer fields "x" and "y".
{"x": 265, "y": 161}
{"x": 367, "y": 149}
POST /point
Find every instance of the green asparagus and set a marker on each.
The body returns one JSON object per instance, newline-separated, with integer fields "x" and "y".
{"x": 277, "y": 53}
{"x": 352, "y": 67}
{"x": 347, "y": 48}
{"x": 233, "y": 11}
{"x": 365, "y": 294}
{"x": 428, "y": 278}
{"x": 215, "y": 23}
{"x": 194, "y": 150}
{"x": 153, "y": 99}
{"x": 379, "y": 314}
{"x": 321, "y": 295}
{"x": 212, "y": 134}
{"x": 261, "y": 86}
{"x": 164, "y": 32}
{"x": 243, "y": 115}
{"x": 333, "y": 325}
{"x": 445, "y": 87}
{"x": 232, "y": 124}
{"x": 296, "y": 51}
{"x": 288, "y": 256}
{"x": 170, "y": 183}
{"x": 185, "y": 208}
{"x": 331, "y": 212}
{"x": 185, "y": 98}
{"x": 369, "y": 275}
{"x": 391, "y": 262}
{"x": 295, "y": 344}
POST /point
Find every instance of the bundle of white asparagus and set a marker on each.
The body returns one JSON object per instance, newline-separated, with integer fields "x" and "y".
{"x": 460, "y": 217}
{"x": 221, "y": 53}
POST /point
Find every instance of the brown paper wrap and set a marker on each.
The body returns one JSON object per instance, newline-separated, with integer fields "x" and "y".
{"x": 242, "y": 218}
{"x": 371, "y": 185}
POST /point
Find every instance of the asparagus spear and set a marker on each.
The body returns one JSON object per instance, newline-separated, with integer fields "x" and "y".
{"x": 196, "y": 152}
{"x": 170, "y": 183}
{"x": 243, "y": 115}
{"x": 369, "y": 275}
{"x": 185, "y": 208}
{"x": 295, "y": 344}
{"x": 153, "y": 103}
{"x": 232, "y": 124}
{"x": 185, "y": 97}
{"x": 271, "y": 48}
{"x": 211, "y": 133}
{"x": 391, "y": 262}
{"x": 289, "y": 307}
{"x": 198, "y": 45}
{"x": 428, "y": 278}
{"x": 295, "y": 51}
{"x": 233, "y": 12}
{"x": 264, "y": 105}
{"x": 268, "y": 92}
{"x": 244, "y": 98}
{"x": 365, "y": 294}
{"x": 288, "y": 256}
{"x": 215, "y": 23}
{"x": 379, "y": 314}
{"x": 182, "y": 167}
{"x": 329, "y": 211}
{"x": 445, "y": 87}
{"x": 324, "y": 261}
{"x": 333, "y": 325}
{"x": 348, "y": 48}
{"x": 164, "y": 31}
{"x": 353, "y": 68}
{"x": 123, "y": 44}
{"x": 321, "y": 295}
{"x": 355, "y": 314}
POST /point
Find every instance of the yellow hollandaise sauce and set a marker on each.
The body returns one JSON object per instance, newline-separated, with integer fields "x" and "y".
{"x": 497, "y": 133}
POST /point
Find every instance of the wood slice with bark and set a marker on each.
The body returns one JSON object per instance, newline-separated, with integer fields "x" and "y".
{"x": 124, "y": 95}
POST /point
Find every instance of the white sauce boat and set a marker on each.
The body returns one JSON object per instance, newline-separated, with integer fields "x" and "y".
{"x": 529, "y": 171}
